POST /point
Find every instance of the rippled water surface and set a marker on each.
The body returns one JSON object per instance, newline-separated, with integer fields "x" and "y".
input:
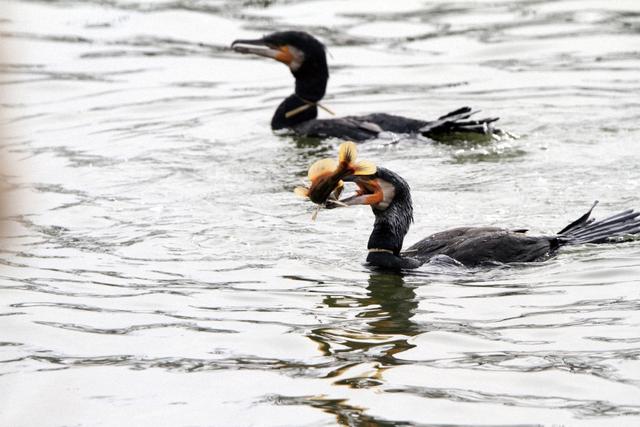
{"x": 158, "y": 270}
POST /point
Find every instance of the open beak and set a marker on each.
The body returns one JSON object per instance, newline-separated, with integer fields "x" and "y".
{"x": 369, "y": 191}
{"x": 261, "y": 48}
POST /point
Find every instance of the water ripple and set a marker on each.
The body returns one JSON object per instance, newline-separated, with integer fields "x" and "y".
{"x": 152, "y": 245}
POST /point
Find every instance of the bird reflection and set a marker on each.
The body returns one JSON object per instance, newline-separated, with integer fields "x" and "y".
{"x": 387, "y": 311}
{"x": 364, "y": 346}
{"x": 397, "y": 302}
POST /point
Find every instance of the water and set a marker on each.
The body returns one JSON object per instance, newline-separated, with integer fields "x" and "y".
{"x": 158, "y": 270}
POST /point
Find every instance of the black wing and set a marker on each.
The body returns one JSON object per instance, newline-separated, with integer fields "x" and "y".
{"x": 362, "y": 128}
{"x": 344, "y": 128}
{"x": 480, "y": 245}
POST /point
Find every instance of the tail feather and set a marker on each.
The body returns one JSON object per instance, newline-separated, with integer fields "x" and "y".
{"x": 458, "y": 122}
{"x": 607, "y": 236}
{"x": 587, "y": 230}
{"x": 584, "y": 219}
{"x": 459, "y": 111}
{"x": 605, "y": 224}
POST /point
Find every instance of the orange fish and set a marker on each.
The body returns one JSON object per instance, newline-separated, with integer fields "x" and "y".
{"x": 326, "y": 175}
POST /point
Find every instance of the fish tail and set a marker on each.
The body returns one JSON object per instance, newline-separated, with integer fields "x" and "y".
{"x": 301, "y": 192}
{"x": 347, "y": 153}
{"x": 347, "y": 161}
{"x": 364, "y": 167}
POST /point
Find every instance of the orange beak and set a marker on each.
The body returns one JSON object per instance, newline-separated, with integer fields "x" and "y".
{"x": 369, "y": 191}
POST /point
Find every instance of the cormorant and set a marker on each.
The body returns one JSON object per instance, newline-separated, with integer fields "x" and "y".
{"x": 389, "y": 196}
{"x": 306, "y": 58}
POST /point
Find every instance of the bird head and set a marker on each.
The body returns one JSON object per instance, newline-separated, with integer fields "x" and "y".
{"x": 299, "y": 50}
{"x": 389, "y": 196}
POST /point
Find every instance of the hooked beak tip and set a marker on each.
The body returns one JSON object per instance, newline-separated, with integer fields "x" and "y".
{"x": 253, "y": 42}
{"x": 257, "y": 47}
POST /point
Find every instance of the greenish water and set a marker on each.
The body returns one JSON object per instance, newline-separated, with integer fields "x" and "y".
{"x": 158, "y": 270}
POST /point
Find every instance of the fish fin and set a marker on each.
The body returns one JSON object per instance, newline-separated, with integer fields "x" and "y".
{"x": 322, "y": 166}
{"x": 301, "y": 191}
{"x": 347, "y": 152}
{"x": 365, "y": 167}
{"x": 338, "y": 203}
{"x": 315, "y": 213}
{"x": 338, "y": 190}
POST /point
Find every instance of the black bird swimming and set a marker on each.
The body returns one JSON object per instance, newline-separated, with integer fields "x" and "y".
{"x": 390, "y": 200}
{"x": 306, "y": 58}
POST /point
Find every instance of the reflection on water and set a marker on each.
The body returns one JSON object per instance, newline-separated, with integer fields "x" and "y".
{"x": 386, "y": 310}
{"x": 157, "y": 269}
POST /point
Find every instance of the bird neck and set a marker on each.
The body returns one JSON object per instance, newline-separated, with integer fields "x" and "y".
{"x": 391, "y": 226}
{"x": 385, "y": 237}
{"x": 384, "y": 246}
{"x": 293, "y": 111}
{"x": 311, "y": 84}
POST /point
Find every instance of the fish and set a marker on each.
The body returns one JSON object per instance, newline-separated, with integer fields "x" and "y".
{"x": 326, "y": 176}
